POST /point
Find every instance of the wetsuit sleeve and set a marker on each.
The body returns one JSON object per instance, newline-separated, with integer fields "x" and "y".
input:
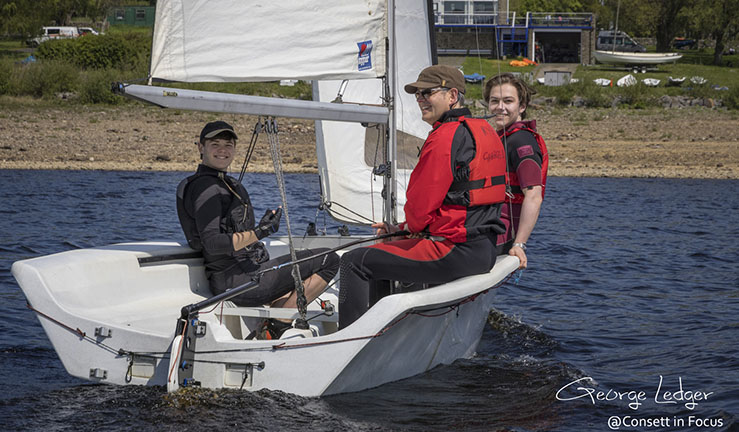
{"x": 430, "y": 180}
{"x": 207, "y": 211}
{"x": 524, "y": 157}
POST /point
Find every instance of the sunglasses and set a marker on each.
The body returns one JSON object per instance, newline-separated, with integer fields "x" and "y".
{"x": 425, "y": 94}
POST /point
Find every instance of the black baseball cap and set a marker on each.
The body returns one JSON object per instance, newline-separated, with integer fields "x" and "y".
{"x": 214, "y": 128}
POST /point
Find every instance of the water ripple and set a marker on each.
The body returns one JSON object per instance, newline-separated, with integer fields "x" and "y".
{"x": 622, "y": 287}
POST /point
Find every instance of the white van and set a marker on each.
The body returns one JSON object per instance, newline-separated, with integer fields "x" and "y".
{"x": 87, "y": 31}
{"x": 48, "y": 33}
{"x": 608, "y": 40}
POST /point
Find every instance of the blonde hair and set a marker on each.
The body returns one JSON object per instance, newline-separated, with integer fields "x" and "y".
{"x": 524, "y": 90}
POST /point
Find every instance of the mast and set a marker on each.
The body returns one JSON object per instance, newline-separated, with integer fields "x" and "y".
{"x": 615, "y": 32}
{"x": 390, "y": 187}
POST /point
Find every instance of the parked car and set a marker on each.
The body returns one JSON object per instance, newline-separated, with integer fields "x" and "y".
{"x": 87, "y": 31}
{"x": 680, "y": 42}
{"x": 623, "y": 42}
{"x": 57, "y": 32}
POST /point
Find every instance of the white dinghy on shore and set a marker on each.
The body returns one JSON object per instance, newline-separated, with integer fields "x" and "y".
{"x": 635, "y": 59}
{"x": 143, "y": 314}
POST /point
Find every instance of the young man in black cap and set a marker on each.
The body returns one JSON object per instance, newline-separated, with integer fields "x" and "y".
{"x": 217, "y": 218}
{"x": 452, "y": 205}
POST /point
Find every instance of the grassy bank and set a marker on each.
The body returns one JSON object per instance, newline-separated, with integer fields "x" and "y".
{"x": 80, "y": 71}
{"x": 693, "y": 63}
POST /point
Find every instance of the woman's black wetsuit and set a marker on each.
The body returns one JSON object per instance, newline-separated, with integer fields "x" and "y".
{"x": 212, "y": 206}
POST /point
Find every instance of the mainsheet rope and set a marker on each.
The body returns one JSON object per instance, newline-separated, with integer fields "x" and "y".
{"x": 274, "y": 145}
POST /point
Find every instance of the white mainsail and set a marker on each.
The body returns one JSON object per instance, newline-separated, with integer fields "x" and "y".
{"x": 326, "y": 42}
{"x": 248, "y": 40}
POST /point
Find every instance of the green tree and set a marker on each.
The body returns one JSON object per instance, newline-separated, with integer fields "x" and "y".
{"x": 523, "y": 6}
{"x": 635, "y": 17}
{"x": 716, "y": 19}
{"x": 668, "y": 24}
{"x": 8, "y": 10}
{"x": 22, "y": 17}
{"x": 26, "y": 17}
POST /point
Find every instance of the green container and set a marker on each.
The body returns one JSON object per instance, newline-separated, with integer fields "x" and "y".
{"x": 141, "y": 16}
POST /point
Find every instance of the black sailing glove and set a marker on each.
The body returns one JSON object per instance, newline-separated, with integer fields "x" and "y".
{"x": 269, "y": 224}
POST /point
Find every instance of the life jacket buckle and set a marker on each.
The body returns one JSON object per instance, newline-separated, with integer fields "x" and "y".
{"x": 509, "y": 191}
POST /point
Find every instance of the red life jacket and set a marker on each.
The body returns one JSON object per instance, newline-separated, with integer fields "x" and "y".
{"x": 513, "y": 178}
{"x": 487, "y": 178}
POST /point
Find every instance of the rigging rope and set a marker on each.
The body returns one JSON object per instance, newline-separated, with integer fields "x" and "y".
{"x": 274, "y": 145}
{"x": 509, "y": 194}
{"x": 252, "y": 144}
{"x": 330, "y": 204}
{"x": 128, "y": 374}
{"x": 426, "y": 313}
{"x": 479, "y": 57}
{"x": 82, "y": 335}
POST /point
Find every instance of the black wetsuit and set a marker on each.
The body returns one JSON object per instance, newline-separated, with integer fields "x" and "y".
{"x": 211, "y": 207}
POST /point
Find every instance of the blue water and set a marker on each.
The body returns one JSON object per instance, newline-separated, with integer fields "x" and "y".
{"x": 631, "y": 281}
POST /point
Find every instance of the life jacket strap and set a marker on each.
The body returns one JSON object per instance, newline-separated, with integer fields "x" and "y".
{"x": 476, "y": 184}
{"x": 516, "y": 190}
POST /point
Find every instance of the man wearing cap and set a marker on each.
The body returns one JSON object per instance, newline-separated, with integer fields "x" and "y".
{"x": 452, "y": 203}
{"x": 217, "y": 218}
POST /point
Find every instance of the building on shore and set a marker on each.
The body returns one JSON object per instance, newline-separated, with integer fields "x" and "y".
{"x": 471, "y": 27}
{"x": 139, "y": 16}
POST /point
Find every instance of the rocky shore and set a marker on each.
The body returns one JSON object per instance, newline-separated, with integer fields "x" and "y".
{"x": 690, "y": 142}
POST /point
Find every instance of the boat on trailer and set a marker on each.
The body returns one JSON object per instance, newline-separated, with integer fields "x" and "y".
{"x": 142, "y": 313}
{"x": 635, "y": 59}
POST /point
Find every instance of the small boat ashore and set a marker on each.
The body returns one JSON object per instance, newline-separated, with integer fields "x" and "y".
{"x": 640, "y": 59}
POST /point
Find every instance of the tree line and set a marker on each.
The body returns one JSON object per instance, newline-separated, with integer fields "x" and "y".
{"x": 664, "y": 20}
{"x": 24, "y": 18}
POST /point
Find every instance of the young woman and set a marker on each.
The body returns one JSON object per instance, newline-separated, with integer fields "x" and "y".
{"x": 527, "y": 159}
{"x": 217, "y": 218}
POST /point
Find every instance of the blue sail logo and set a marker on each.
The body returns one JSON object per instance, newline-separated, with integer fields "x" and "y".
{"x": 365, "y": 55}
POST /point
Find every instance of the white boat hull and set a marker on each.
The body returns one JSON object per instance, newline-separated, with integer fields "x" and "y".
{"x": 621, "y": 58}
{"x": 134, "y": 308}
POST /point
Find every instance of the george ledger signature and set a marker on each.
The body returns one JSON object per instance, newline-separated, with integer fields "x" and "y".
{"x": 662, "y": 396}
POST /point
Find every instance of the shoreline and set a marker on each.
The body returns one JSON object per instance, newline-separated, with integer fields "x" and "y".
{"x": 583, "y": 142}
{"x": 588, "y": 172}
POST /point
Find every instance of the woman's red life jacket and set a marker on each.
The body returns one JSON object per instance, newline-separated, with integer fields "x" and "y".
{"x": 513, "y": 178}
{"x": 487, "y": 177}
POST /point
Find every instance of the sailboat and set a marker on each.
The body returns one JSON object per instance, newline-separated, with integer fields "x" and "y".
{"x": 142, "y": 313}
{"x": 639, "y": 61}
{"x": 633, "y": 59}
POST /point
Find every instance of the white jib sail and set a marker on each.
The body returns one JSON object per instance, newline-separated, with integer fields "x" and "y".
{"x": 347, "y": 153}
{"x": 248, "y": 40}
